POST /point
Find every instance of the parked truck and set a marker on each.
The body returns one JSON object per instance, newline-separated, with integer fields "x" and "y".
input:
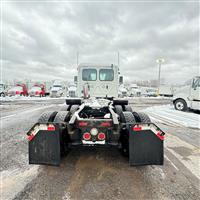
{"x": 134, "y": 91}
{"x": 96, "y": 118}
{"x": 166, "y": 91}
{"x": 57, "y": 89}
{"x": 38, "y": 89}
{"x": 188, "y": 97}
{"x": 2, "y": 89}
{"x": 18, "y": 89}
{"x": 72, "y": 90}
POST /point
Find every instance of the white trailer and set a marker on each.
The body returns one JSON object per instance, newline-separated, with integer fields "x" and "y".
{"x": 188, "y": 97}
{"x": 166, "y": 91}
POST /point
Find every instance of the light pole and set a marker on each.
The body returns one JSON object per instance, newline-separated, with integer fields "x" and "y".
{"x": 159, "y": 61}
{"x": 118, "y": 58}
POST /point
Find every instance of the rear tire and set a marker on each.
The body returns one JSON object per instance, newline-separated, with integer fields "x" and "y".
{"x": 64, "y": 108}
{"x": 128, "y": 108}
{"x": 47, "y": 117}
{"x": 180, "y": 105}
{"x": 127, "y": 118}
{"x": 144, "y": 117}
{"x": 73, "y": 109}
{"x": 119, "y": 111}
{"x": 61, "y": 116}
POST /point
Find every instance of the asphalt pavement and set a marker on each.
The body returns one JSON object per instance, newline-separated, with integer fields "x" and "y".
{"x": 95, "y": 173}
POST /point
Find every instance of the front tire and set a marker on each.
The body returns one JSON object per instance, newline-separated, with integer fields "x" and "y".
{"x": 180, "y": 105}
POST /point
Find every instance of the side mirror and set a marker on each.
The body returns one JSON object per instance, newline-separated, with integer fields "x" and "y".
{"x": 121, "y": 80}
{"x": 75, "y": 79}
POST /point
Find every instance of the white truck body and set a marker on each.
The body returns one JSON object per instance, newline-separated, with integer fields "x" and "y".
{"x": 122, "y": 91}
{"x": 57, "y": 89}
{"x": 166, "y": 90}
{"x": 134, "y": 91}
{"x": 188, "y": 96}
{"x": 149, "y": 91}
{"x": 97, "y": 80}
{"x": 72, "y": 90}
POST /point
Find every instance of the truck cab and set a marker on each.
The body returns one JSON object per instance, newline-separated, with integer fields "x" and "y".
{"x": 95, "y": 80}
{"x": 2, "y": 90}
{"x": 188, "y": 96}
{"x": 18, "y": 89}
{"x": 57, "y": 89}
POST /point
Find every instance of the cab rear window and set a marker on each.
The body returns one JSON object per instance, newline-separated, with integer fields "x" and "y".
{"x": 89, "y": 74}
{"x": 106, "y": 74}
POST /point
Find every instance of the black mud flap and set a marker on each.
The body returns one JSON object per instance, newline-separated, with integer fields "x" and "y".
{"x": 145, "y": 144}
{"x": 44, "y": 144}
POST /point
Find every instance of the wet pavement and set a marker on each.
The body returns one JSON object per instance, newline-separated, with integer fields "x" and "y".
{"x": 95, "y": 173}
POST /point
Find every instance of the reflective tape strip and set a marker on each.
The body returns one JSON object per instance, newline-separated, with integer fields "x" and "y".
{"x": 151, "y": 127}
{"x": 35, "y": 130}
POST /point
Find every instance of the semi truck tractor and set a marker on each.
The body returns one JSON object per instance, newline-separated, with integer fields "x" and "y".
{"x": 57, "y": 89}
{"x": 134, "y": 91}
{"x": 38, "y": 89}
{"x": 72, "y": 90}
{"x": 18, "y": 89}
{"x": 2, "y": 90}
{"x": 188, "y": 97}
{"x": 96, "y": 118}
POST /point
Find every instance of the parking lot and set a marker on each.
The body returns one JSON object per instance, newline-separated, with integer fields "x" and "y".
{"x": 97, "y": 173}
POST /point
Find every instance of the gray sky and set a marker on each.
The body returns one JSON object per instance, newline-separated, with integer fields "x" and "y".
{"x": 40, "y": 39}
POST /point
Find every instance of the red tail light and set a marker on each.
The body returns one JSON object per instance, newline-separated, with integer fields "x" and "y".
{"x": 51, "y": 127}
{"x": 101, "y": 136}
{"x": 82, "y": 124}
{"x": 160, "y": 135}
{"x": 17, "y": 92}
{"x": 37, "y": 92}
{"x": 105, "y": 124}
{"x": 86, "y": 136}
{"x": 137, "y": 128}
{"x": 30, "y": 137}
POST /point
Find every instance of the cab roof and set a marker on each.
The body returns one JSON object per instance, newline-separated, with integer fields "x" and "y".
{"x": 96, "y": 65}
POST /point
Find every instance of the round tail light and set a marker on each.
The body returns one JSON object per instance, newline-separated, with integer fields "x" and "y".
{"x": 86, "y": 136}
{"x": 101, "y": 136}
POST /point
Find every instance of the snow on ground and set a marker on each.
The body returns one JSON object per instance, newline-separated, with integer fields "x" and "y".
{"x": 14, "y": 98}
{"x": 167, "y": 113}
{"x": 23, "y": 98}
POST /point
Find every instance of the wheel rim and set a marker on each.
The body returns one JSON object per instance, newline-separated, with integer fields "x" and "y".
{"x": 179, "y": 105}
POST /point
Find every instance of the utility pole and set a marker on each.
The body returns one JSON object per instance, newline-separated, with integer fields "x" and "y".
{"x": 118, "y": 58}
{"x": 159, "y": 61}
{"x": 77, "y": 57}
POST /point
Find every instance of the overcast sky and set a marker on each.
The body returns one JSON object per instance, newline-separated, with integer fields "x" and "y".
{"x": 40, "y": 40}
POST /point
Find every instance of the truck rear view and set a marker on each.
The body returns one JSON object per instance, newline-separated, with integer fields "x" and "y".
{"x": 97, "y": 118}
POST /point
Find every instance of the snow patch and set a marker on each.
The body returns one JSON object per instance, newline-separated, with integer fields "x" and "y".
{"x": 167, "y": 113}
